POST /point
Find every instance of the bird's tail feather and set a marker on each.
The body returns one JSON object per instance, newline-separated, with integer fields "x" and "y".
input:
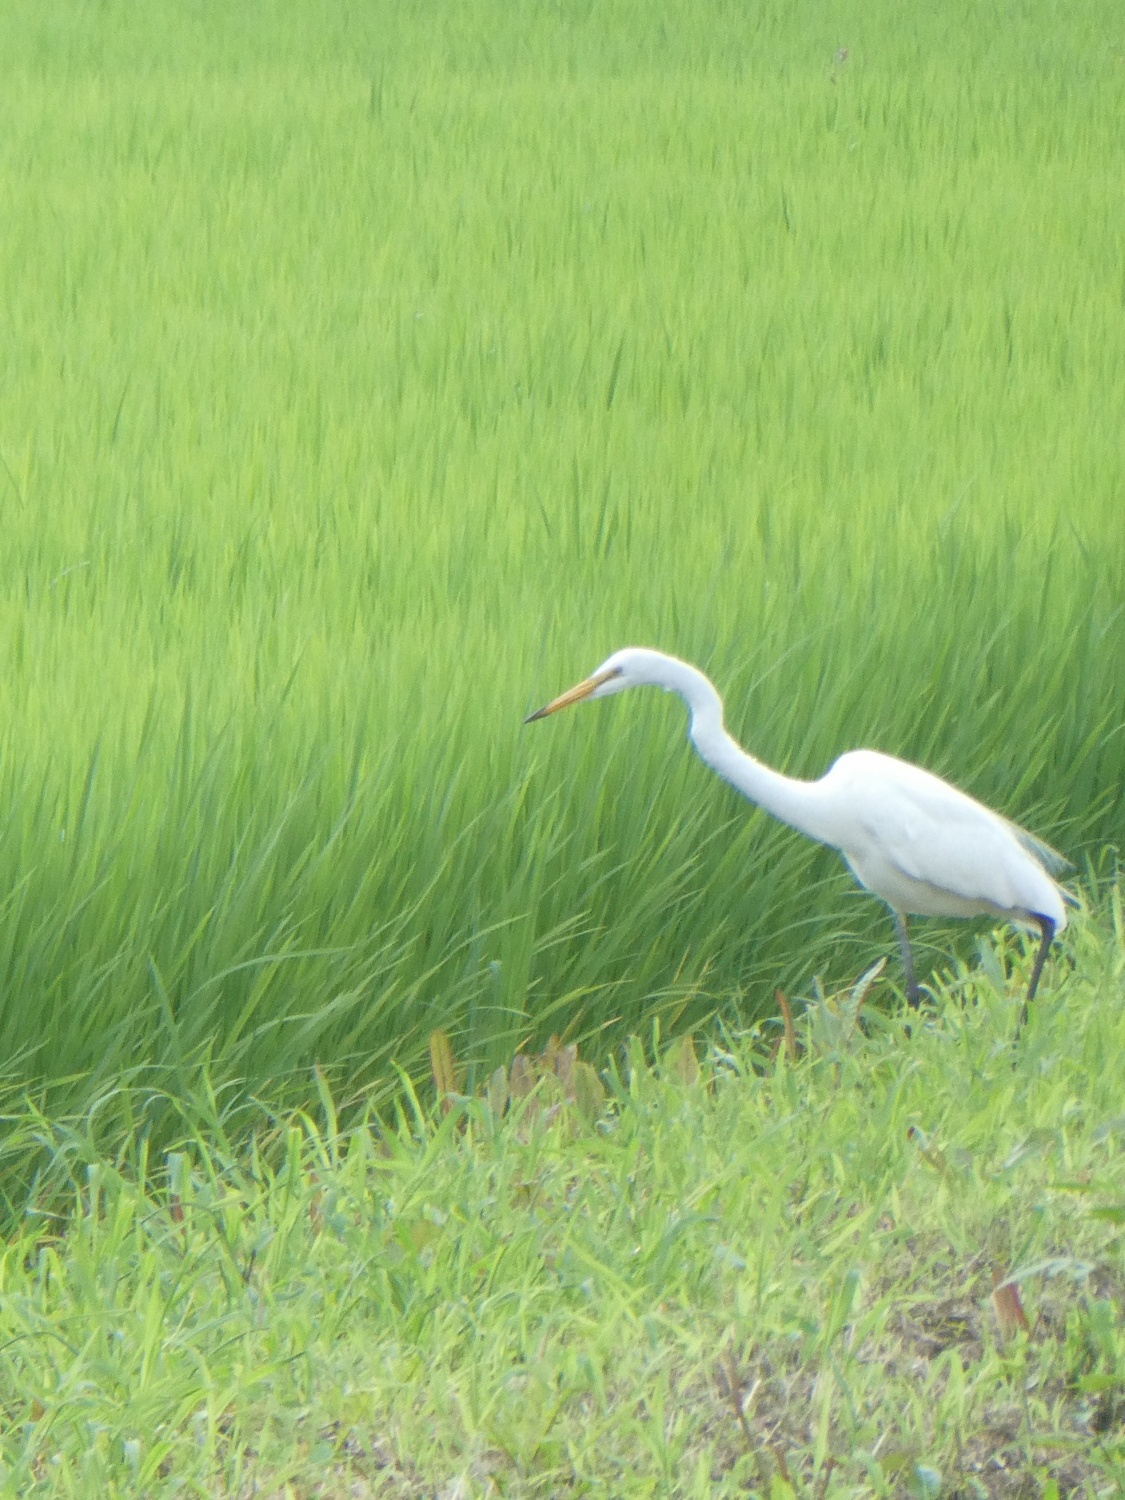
{"x": 1051, "y": 860}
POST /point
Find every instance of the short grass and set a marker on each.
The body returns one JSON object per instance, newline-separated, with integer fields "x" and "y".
{"x": 890, "y": 1263}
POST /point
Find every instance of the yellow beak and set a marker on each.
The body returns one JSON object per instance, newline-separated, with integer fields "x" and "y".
{"x": 573, "y": 695}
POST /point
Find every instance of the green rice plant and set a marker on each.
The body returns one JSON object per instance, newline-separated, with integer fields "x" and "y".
{"x": 365, "y": 379}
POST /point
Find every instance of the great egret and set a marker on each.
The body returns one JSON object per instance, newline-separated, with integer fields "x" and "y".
{"x": 909, "y": 837}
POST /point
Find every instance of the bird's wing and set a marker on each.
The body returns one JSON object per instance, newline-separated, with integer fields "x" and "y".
{"x": 934, "y": 833}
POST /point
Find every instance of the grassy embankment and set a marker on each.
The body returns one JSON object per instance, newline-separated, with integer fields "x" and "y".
{"x": 753, "y": 1274}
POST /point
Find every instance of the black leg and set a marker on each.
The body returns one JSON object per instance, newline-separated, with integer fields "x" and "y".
{"x": 1047, "y": 928}
{"x": 912, "y": 994}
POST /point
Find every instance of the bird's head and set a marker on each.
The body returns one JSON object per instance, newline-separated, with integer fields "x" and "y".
{"x": 632, "y": 667}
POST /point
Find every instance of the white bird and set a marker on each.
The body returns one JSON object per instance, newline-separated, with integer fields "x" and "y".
{"x": 920, "y": 844}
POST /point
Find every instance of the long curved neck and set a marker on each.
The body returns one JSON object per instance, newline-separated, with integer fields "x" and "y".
{"x": 798, "y": 803}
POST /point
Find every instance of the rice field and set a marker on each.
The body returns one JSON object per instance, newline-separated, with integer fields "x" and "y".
{"x": 368, "y": 375}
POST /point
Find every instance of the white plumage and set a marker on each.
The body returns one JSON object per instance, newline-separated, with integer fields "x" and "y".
{"x": 923, "y": 846}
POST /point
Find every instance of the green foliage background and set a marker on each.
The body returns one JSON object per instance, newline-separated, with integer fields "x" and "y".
{"x": 368, "y": 374}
